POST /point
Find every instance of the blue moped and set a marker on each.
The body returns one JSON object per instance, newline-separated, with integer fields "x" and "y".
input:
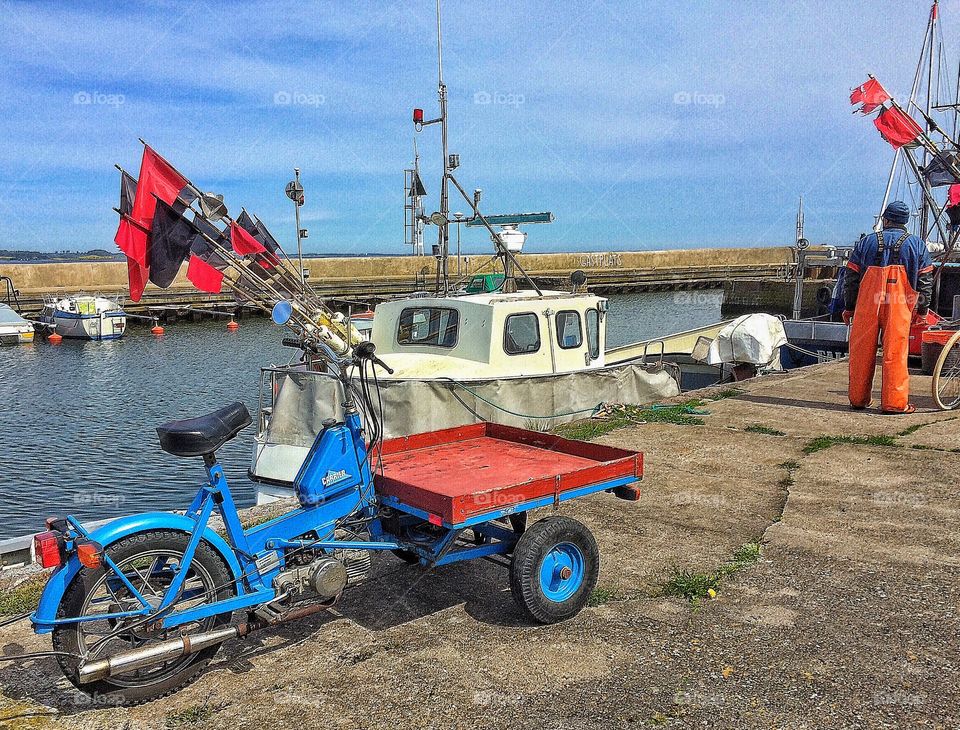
{"x": 138, "y": 607}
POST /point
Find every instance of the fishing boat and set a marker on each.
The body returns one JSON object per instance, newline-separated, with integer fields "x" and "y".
{"x": 85, "y": 317}
{"x": 489, "y": 347}
{"x": 14, "y": 329}
{"x": 925, "y": 170}
{"x": 527, "y": 358}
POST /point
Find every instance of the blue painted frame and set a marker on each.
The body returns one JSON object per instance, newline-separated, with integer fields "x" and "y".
{"x": 256, "y": 555}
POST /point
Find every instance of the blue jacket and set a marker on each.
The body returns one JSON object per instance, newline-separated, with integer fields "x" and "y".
{"x": 914, "y": 257}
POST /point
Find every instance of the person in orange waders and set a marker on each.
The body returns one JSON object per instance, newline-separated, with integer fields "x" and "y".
{"x": 889, "y": 274}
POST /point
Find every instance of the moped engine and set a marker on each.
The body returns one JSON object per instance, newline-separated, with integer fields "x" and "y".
{"x": 326, "y": 576}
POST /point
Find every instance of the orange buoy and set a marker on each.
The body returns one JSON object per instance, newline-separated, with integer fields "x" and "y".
{"x": 157, "y": 330}
{"x": 232, "y": 326}
{"x": 55, "y": 339}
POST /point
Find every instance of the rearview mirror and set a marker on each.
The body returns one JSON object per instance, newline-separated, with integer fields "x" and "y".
{"x": 282, "y": 311}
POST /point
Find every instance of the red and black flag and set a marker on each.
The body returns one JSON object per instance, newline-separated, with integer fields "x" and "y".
{"x": 170, "y": 242}
{"x": 158, "y": 181}
{"x": 205, "y": 269}
{"x": 243, "y": 243}
{"x": 265, "y": 237}
{"x": 128, "y": 191}
{"x": 252, "y": 225}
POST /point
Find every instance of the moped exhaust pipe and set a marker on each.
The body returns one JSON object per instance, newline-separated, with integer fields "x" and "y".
{"x": 166, "y": 651}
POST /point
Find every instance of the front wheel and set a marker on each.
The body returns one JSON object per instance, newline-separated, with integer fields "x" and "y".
{"x": 946, "y": 375}
{"x": 149, "y": 560}
{"x": 554, "y": 570}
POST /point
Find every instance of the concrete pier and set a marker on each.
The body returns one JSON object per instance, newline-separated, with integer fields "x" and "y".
{"x": 831, "y": 540}
{"x": 362, "y": 277}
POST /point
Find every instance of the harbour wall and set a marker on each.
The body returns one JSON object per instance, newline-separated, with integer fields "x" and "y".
{"x": 370, "y": 277}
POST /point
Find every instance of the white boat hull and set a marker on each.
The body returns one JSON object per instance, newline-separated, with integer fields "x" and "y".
{"x": 103, "y": 326}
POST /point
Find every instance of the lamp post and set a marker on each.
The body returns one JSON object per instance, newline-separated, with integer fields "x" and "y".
{"x": 294, "y": 191}
{"x": 459, "y": 217}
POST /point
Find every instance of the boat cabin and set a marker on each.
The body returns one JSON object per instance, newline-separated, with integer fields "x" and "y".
{"x": 491, "y": 335}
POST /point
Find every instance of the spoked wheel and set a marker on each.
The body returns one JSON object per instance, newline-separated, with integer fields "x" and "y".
{"x": 946, "y": 375}
{"x": 555, "y": 568}
{"x": 149, "y": 560}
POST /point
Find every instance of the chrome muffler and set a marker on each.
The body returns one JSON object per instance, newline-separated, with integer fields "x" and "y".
{"x": 166, "y": 651}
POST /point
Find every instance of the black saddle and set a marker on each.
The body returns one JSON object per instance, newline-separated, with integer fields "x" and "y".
{"x": 204, "y": 435}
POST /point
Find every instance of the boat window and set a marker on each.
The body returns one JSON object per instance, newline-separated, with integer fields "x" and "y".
{"x": 438, "y": 326}
{"x": 569, "y": 334}
{"x": 593, "y": 333}
{"x": 521, "y": 334}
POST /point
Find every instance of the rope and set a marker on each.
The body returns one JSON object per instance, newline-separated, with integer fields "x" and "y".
{"x": 490, "y": 403}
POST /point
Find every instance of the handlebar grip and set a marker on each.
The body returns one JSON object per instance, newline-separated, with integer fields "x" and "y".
{"x": 382, "y": 364}
{"x": 291, "y": 342}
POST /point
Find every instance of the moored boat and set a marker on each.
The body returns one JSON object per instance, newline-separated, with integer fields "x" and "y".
{"x": 14, "y": 329}
{"x": 84, "y": 317}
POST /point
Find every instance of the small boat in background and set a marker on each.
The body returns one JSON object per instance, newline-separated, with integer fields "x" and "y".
{"x": 85, "y": 317}
{"x": 14, "y": 329}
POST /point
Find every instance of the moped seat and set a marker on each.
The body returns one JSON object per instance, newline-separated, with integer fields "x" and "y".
{"x": 203, "y": 435}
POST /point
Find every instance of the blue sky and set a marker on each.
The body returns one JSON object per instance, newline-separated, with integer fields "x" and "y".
{"x": 641, "y": 125}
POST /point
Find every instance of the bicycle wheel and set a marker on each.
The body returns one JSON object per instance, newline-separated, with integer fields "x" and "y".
{"x": 946, "y": 375}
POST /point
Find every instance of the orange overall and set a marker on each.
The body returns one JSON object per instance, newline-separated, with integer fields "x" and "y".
{"x": 885, "y": 307}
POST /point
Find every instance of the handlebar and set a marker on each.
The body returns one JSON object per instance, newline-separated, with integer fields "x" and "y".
{"x": 366, "y": 350}
{"x": 363, "y": 351}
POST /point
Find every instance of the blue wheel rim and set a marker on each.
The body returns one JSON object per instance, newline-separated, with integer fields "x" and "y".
{"x": 561, "y": 572}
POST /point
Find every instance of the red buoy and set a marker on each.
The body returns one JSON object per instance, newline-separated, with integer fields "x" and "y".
{"x": 156, "y": 330}
{"x": 232, "y": 326}
{"x": 55, "y": 339}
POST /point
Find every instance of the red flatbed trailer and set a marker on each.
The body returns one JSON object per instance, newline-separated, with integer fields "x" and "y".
{"x": 466, "y": 474}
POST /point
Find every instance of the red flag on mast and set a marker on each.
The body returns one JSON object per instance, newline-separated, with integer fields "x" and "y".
{"x": 243, "y": 242}
{"x": 870, "y": 94}
{"x": 204, "y": 276}
{"x": 158, "y": 179}
{"x": 897, "y": 127}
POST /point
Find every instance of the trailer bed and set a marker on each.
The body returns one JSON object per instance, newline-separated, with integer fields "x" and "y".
{"x": 459, "y": 475}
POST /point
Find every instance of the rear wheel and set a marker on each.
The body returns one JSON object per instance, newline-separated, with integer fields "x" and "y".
{"x": 554, "y": 570}
{"x": 149, "y": 560}
{"x": 946, "y": 375}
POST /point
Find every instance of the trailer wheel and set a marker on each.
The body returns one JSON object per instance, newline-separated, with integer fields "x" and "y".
{"x": 554, "y": 570}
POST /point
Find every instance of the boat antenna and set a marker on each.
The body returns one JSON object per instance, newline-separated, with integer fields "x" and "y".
{"x": 443, "y": 279}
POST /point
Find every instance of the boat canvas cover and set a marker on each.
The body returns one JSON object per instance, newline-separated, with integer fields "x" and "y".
{"x": 8, "y": 316}
{"x": 752, "y": 338}
{"x": 305, "y": 399}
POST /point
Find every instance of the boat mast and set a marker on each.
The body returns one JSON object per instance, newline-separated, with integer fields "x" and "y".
{"x": 931, "y": 26}
{"x": 917, "y": 76}
{"x": 443, "y": 280}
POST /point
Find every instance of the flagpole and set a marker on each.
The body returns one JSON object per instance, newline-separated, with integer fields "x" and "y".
{"x": 308, "y": 294}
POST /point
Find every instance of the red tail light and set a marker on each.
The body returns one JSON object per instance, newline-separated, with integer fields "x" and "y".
{"x": 48, "y": 549}
{"x": 90, "y": 553}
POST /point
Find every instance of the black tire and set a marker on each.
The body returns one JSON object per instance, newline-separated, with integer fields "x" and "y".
{"x": 544, "y": 594}
{"x": 208, "y": 567}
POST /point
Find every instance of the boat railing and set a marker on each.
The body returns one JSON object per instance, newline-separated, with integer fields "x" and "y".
{"x": 11, "y": 295}
{"x": 646, "y": 347}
